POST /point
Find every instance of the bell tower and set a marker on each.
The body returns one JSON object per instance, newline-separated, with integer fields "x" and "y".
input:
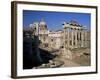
{"x": 43, "y": 25}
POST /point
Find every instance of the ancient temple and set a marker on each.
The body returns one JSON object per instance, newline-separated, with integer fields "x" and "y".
{"x": 75, "y": 35}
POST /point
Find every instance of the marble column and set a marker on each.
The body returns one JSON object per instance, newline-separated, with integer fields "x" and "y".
{"x": 75, "y": 38}
{"x": 85, "y": 34}
{"x": 79, "y": 37}
{"x": 67, "y": 53}
{"x": 72, "y": 36}
{"x": 82, "y": 38}
{"x": 68, "y": 40}
{"x": 64, "y": 38}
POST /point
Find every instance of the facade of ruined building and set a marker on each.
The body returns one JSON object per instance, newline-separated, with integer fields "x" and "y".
{"x": 55, "y": 39}
{"x": 71, "y": 36}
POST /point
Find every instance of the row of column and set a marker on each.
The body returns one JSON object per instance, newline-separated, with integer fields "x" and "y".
{"x": 75, "y": 38}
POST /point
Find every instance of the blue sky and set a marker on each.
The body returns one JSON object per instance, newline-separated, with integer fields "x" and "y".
{"x": 54, "y": 20}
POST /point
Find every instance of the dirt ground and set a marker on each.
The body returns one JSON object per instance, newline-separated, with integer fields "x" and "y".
{"x": 80, "y": 57}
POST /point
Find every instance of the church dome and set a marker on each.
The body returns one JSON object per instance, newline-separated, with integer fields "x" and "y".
{"x": 43, "y": 25}
{"x": 42, "y": 22}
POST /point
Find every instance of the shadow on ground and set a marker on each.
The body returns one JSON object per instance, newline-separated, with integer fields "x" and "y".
{"x": 32, "y": 53}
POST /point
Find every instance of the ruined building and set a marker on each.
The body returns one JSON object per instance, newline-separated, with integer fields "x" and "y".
{"x": 72, "y": 35}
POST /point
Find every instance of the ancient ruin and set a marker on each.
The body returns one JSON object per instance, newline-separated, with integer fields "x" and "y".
{"x": 73, "y": 40}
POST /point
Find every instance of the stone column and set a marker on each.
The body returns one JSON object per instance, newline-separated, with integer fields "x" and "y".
{"x": 67, "y": 53}
{"x": 76, "y": 38}
{"x": 72, "y": 36}
{"x": 82, "y": 38}
{"x": 85, "y": 34}
{"x": 64, "y": 39}
{"x": 68, "y": 38}
{"x": 79, "y": 37}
